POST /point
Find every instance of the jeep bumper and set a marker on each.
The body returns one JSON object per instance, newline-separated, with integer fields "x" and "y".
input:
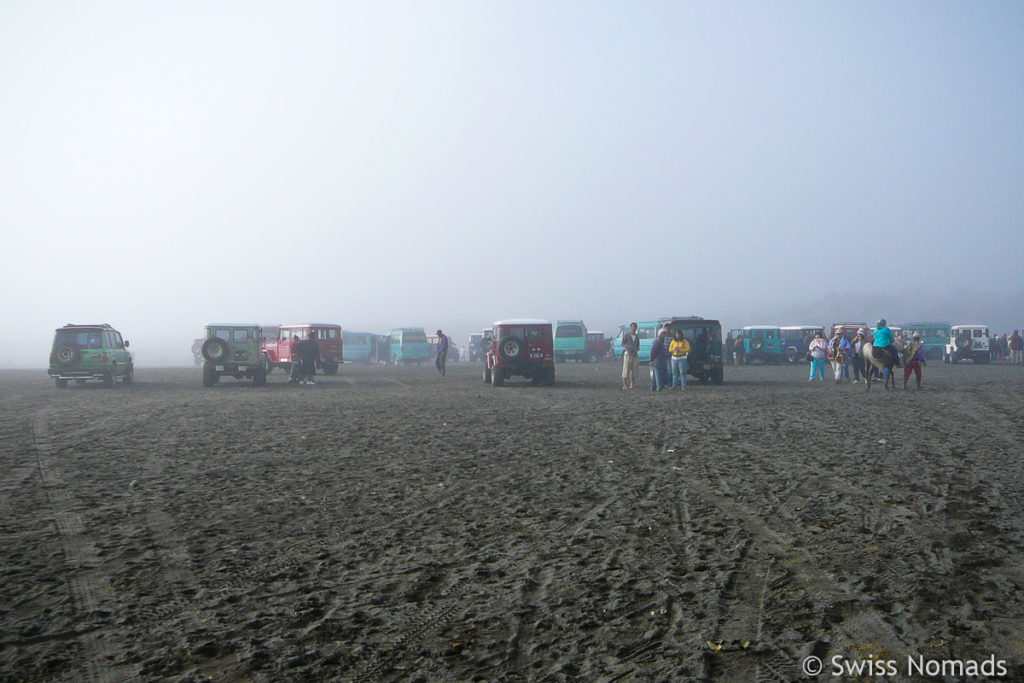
{"x": 76, "y": 374}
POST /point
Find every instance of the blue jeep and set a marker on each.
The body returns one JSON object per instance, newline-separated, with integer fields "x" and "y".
{"x": 796, "y": 339}
{"x": 763, "y": 343}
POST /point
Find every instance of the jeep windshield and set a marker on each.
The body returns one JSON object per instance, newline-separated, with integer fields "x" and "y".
{"x": 414, "y": 338}
{"x": 86, "y": 339}
{"x": 237, "y": 335}
{"x": 532, "y": 333}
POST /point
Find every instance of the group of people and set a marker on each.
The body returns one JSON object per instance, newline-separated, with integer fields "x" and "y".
{"x": 307, "y": 353}
{"x": 1008, "y": 347}
{"x": 668, "y": 363}
{"x": 844, "y": 353}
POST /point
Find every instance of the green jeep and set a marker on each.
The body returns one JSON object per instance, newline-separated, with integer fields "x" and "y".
{"x": 233, "y": 350}
{"x": 84, "y": 352}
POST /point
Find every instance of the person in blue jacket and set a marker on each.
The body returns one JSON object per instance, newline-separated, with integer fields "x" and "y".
{"x": 884, "y": 342}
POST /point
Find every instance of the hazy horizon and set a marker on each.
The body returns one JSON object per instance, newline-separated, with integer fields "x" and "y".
{"x": 448, "y": 164}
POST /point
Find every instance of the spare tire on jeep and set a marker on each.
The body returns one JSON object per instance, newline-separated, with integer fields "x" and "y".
{"x": 756, "y": 343}
{"x": 963, "y": 341}
{"x": 511, "y": 348}
{"x": 215, "y": 350}
{"x": 67, "y": 354}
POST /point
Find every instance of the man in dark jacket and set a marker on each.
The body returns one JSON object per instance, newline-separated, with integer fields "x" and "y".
{"x": 659, "y": 361}
{"x": 442, "y": 352}
{"x": 309, "y": 356}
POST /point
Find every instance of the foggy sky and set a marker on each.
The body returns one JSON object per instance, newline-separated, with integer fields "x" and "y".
{"x": 446, "y": 164}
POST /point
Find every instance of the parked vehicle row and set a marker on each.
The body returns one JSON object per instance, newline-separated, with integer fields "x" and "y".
{"x": 788, "y": 344}
{"x": 525, "y": 348}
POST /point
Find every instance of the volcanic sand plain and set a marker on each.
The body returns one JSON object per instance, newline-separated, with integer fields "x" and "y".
{"x": 388, "y": 524}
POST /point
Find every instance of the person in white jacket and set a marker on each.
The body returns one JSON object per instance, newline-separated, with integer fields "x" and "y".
{"x": 819, "y": 351}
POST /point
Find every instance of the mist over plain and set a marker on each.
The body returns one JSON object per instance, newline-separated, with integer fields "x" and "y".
{"x": 448, "y": 165}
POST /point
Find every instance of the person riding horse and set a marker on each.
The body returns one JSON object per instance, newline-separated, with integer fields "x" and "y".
{"x": 883, "y": 348}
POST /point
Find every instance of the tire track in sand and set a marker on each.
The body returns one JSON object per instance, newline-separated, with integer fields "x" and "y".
{"x": 88, "y": 583}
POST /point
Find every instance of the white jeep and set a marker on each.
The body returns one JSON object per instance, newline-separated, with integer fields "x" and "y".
{"x": 968, "y": 342}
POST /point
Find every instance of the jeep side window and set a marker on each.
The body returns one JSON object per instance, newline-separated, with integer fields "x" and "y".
{"x": 224, "y": 334}
{"x": 118, "y": 341}
{"x": 94, "y": 341}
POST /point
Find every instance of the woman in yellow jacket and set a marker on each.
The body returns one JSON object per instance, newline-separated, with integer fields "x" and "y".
{"x": 679, "y": 349}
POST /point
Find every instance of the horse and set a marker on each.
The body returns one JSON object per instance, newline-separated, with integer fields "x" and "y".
{"x": 877, "y": 366}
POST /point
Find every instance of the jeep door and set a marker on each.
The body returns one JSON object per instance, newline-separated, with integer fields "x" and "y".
{"x": 120, "y": 352}
{"x": 329, "y": 340}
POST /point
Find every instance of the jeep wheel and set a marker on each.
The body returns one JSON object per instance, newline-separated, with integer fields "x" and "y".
{"x": 330, "y": 368}
{"x": 511, "y": 348}
{"x": 108, "y": 378}
{"x": 497, "y": 377}
{"x": 792, "y": 355}
{"x": 487, "y": 375}
{"x": 267, "y": 363}
{"x": 62, "y": 383}
{"x": 129, "y": 376}
{"x": 209, "y": 376}
{"x": 934, "y": 354}
{"x": 592, "y": 358}
{"x": 963, "y": 342}
{"x": 215, "y": 350}
{"x": 259, "y": 376}
{"x": 717, "y": 376}
{"x": 67, "y": 354}
{"x": 549, "y": 377}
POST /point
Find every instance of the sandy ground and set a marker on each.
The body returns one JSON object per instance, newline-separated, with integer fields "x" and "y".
{"x": 387, "y": 524}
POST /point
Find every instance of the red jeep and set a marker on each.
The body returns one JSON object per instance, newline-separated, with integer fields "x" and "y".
{"x": 278, "y": 352}
{"x": 598, "y": 346}
{"x": 520, "y": 347}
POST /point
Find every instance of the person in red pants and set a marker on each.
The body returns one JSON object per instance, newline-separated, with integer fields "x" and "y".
{"x": 915, "y": 359}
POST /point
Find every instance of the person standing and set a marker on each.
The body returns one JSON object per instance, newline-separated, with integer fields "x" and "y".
{"x": 309, "y": 356}
{"x": 679, "y": 350}
{"x": 738, "y": 351}
{"x": 914, "y": 354}
{"x": 727, "y": 349}
{"x": 819, "y": 350}
{"x": 295, "y": 376}
{"x": 857, "y": 356}
{"x": 441, "y": 359}
{"x": 630, "y": 357}
{"x": 1016, "y": 344}
{"x": 659, "y": 359}
{"x": 839, "y": 349}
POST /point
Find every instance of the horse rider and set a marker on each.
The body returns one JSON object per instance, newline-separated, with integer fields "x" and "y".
{"x": 884, "y": 342}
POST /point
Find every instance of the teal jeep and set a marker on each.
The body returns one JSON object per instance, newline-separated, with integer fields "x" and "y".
{"x": 84, "y": 352}
{"x": 764, "y": 343}
{"x": 233, "y": 350}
